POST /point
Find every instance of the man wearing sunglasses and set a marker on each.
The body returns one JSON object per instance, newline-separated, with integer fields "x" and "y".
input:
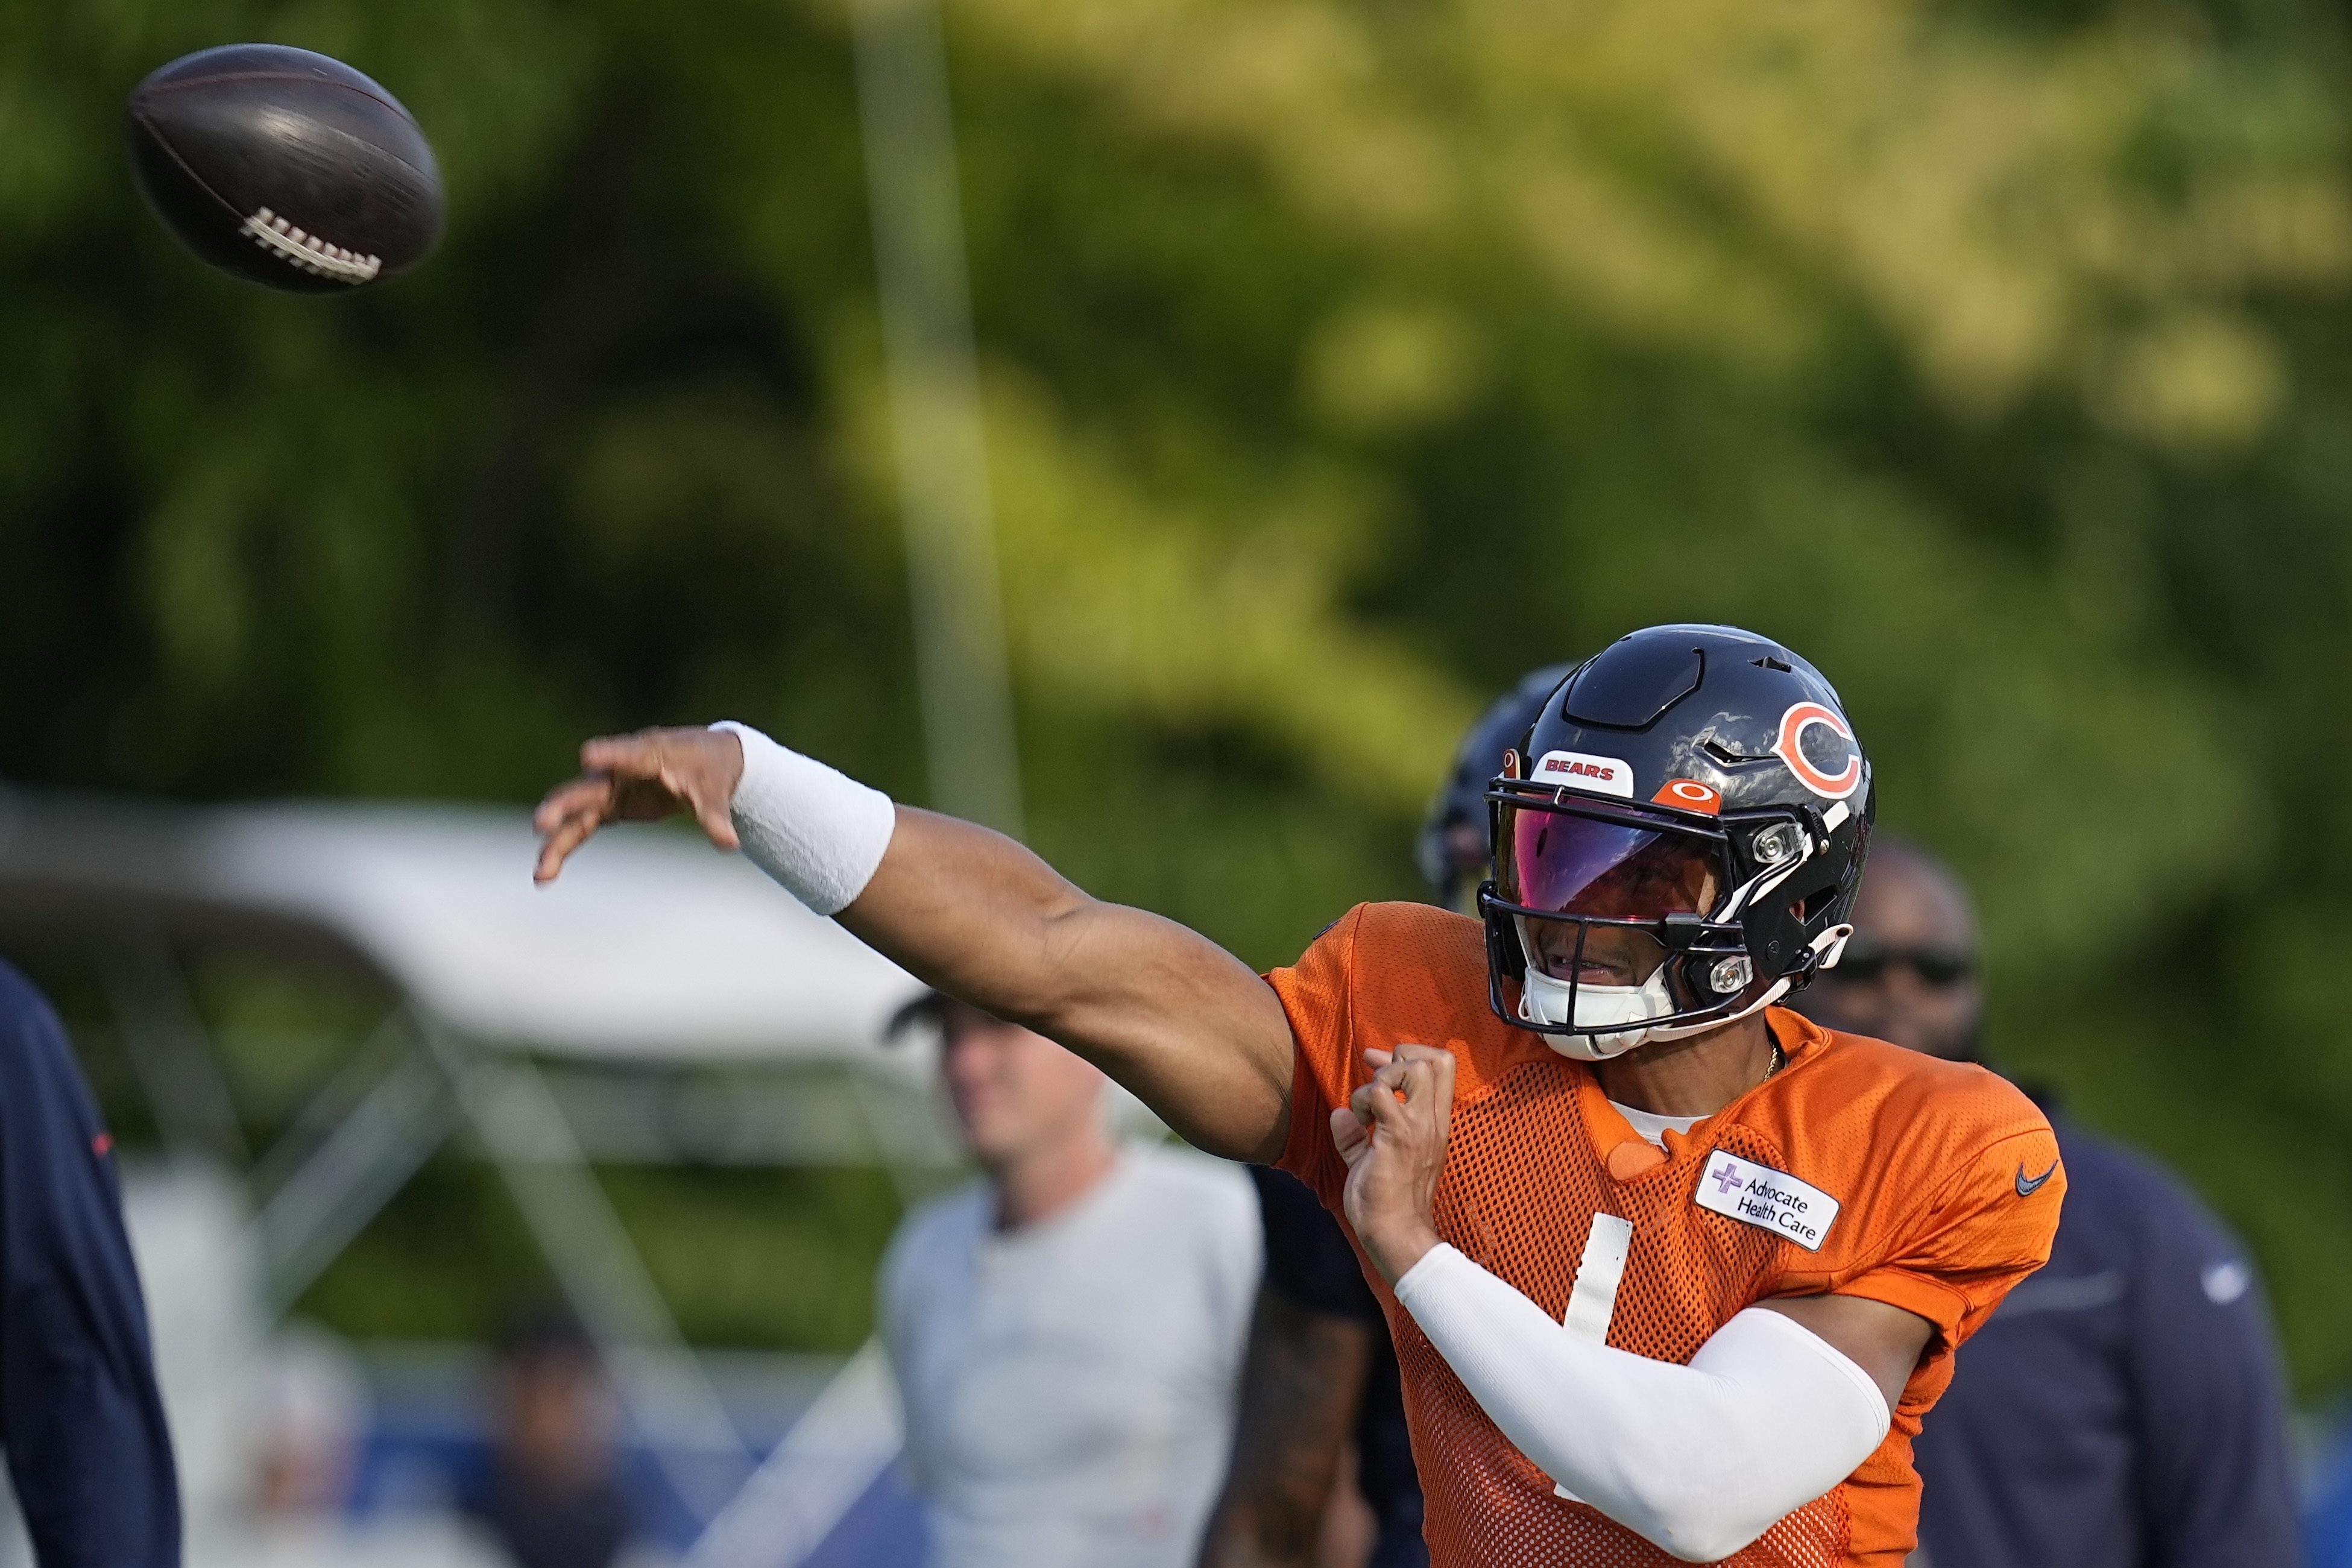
{"x": 1672, "y": 1273}
{"x": 2122, "y": 1407}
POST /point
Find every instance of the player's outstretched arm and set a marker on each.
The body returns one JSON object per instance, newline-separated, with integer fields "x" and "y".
{"x": 1170, "y": 1014}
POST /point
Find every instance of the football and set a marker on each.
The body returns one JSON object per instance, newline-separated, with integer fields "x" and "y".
{"x": 287, "y": 168}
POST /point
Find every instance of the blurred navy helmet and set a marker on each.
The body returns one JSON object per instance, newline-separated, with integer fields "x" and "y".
{"x": 1455, "y": 849}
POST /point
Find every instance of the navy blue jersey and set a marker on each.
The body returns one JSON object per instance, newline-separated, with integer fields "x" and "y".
{"x": 2122, "y": 1408}
{"x": 1309, "y": 1259}
{"x": 78, "y": 1412}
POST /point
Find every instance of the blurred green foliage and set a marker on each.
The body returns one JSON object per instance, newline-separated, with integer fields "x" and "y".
{"x": 1341, "y": 360}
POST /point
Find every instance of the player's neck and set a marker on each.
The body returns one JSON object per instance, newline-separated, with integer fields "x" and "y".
{"x": 1693, "y": 1077}
{"x": 1052, "y": 1174}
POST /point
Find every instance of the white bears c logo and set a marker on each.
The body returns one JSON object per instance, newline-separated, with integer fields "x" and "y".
{"x": 1790, "y": 749}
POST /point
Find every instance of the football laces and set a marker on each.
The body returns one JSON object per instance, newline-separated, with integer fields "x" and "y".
{"x": 307, "y": 251}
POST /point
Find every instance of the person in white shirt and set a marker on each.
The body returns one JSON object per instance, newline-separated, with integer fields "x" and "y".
{"x": 1067, "y": 1332}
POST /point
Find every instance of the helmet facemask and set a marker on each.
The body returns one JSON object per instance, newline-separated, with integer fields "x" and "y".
{"x": 1620, "y": 924}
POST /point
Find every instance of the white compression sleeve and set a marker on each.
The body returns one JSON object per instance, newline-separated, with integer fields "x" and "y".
{"x": 1699, "y": 1460}
{"x": 819, "y": 833}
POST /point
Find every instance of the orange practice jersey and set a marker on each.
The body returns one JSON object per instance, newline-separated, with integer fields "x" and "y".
{"x": 1945, "y": 1177}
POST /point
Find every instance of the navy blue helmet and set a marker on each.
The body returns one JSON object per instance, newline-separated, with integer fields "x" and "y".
{"x": 1679, "y": 839}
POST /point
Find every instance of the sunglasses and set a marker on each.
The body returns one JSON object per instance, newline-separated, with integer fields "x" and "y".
{"x": 1863, "y": 963}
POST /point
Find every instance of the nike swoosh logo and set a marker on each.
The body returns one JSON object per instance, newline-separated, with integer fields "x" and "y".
{"x": 2028, "y": 1185}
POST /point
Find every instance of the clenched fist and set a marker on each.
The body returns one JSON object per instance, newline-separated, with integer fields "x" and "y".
{"x": 1393, "y": 1134}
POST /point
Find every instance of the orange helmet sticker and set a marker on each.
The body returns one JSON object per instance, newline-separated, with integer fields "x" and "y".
{"x": 1790, "y": 749}
{"x": 1690, "y": 795}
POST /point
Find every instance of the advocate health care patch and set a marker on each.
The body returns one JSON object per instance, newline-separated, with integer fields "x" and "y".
{"x": 1759, "y": 1195}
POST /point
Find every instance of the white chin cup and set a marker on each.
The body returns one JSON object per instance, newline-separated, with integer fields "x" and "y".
{"x": 1545, "y": 1001}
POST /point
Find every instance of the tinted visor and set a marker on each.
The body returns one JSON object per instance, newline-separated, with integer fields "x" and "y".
{"x": 1568, "y": 864}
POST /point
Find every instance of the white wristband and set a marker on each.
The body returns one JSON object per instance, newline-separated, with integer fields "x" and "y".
{"x": 819, "y": 833}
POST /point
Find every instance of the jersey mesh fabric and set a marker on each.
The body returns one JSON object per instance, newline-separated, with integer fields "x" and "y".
{"x": 1919, "y": 1154}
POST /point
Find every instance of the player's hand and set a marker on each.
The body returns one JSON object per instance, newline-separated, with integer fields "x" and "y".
{"x": 641, "y": 778}
{"x": 1393, "y": 1134}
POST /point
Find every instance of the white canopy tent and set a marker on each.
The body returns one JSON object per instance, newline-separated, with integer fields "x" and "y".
{"x": 651, "y": 947}
{"x": 653, "y": 956}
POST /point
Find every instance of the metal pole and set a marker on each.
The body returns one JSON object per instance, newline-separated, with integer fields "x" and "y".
{"x": 833, "y": 1453}
{"x": 357, "y": 1168}
{"x": 942, "y": 459}
{"x": 522, "y": 1129}
{"x": 172, "y": 1052}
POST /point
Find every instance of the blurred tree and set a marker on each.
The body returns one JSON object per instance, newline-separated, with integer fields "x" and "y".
{"x": 1341, "y": 359}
